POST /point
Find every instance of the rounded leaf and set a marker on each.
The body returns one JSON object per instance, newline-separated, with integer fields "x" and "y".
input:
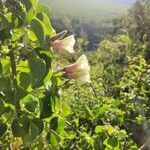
{"x": 39, "y": 30}
{"x": 20, "y": 127}
{"x": 37, "y": 68}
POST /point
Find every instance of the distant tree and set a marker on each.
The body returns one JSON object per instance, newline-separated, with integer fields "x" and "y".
{"x": 136, "y": 23}
{"x": 141, "y": 16}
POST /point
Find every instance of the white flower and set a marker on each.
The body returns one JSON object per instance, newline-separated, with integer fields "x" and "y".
{"x": 65, "y": 44}
{"x": 79, "y": 70}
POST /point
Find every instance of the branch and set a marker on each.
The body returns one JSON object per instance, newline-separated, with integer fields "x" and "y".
{"x": 14, "y": 72}
{"x": 13, "y": 62}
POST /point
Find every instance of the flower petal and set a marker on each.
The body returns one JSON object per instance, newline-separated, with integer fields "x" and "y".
{"x": 65, "y": 44}
{"x": 79, "y": 70}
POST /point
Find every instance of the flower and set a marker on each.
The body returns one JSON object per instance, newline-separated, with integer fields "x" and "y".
{"x": 79, "y": 70}
{"x": 65, "y": 44}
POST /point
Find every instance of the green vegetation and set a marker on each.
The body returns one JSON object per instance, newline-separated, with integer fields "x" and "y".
{"x": 41, "y": 109}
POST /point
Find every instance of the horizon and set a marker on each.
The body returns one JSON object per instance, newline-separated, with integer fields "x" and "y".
{"x": 93, "y": 10}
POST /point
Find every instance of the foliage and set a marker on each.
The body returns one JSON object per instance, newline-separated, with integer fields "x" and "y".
{"x": 137, "y": 25}
{"x": 113, "y": 111}
{"x": 40, "y": 110}
{"x": 29, "y": 88}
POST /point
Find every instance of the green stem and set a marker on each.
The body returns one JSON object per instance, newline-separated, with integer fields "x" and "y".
{"x": 13, "y": 62}
{"x": 93, "y": 90}
{"x": 14, "y": 72}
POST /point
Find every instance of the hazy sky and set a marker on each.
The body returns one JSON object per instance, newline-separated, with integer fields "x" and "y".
{"x": 95, "y": 9}
{"x": 116, "y": 2}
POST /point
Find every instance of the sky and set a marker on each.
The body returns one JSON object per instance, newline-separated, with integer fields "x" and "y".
{"x": 93, "y": 9}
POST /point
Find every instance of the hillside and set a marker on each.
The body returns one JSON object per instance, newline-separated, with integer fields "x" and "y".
{"x": 93, "y": 10}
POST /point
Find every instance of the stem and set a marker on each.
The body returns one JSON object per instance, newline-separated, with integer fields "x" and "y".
{"x": 73, "y": 127}
{"x": 93, "y": 89}
{"x": 14, "y": 72}
{"x": 13, "y": 62}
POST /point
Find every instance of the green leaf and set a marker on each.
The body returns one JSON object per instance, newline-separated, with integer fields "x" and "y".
{"x": 38, "y": 28}
{"x": 61, "y": 124}
{"x": 11, "y": 90}
{"x": 54, "y": 123}
{"x": 30, "y": 10}
{"x": 30, "y": 15}
{"x": 89, "y": 111}
{"x": 110, "y": 129}
{"x": 122, "y": 134}
{"x": 28, "y": 4}
{"x": 1, "y": 5}
{"x": 9, "y": 18}
{"x": 20, "y": 127}
{"x": 103, "y": 109}
{"x": 43, "y": 8}
{"x": 56, "y": 80}
{"x": 31, "y": 106}
{"x": 34, "y": 2}
{"x": 19, "y": 93}
{"x": 46, "y": 104}
{"x": 99, "y": 129}
{"x": 3, "y": 82}
{"x": 32, "y": 36}
{"x": 3, "y": 129}
{"x": 71, "y": 135}
{"x": 1, "y": 106}
{"x": 46, "y": 56}
{"x": 55, "y": 103}
{"x": 45, "y": 20}
{"x": 57, "y": 124}
{"x": 9, "y": 114}
{"x": 37, "y": 68}
{"x": 23, "y": 67}
{"x": 65, "y": 110}
{"x": 5, "y": 34}
{"x": 52, "y": 138}
{"x": 39, "y": 123}
{"x": 7, "y": 88}
{"x": 33, "y": 132}
{"x": 4, "y": 23}
{"x": 19, "y": 21}
{"x": 24, "y": 80}
{"x": 111, "y": 143}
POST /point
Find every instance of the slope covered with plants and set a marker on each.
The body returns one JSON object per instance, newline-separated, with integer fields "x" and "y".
{"x": 60, "y": 91}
